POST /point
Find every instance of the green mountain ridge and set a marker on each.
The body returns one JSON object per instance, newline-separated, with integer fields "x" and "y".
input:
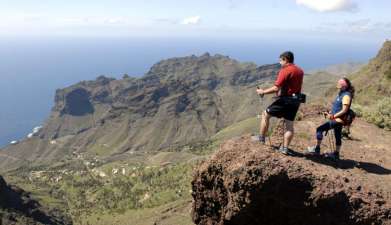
{"x": 373, "y": 81}
{"x": 373, "y": 89}
{"x": 179, "y": 101}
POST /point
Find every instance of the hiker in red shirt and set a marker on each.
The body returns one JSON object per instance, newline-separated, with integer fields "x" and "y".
{"x": 287, "y": 87}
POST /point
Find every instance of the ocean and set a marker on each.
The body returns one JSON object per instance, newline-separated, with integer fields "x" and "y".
{"x": 31, "y": 69}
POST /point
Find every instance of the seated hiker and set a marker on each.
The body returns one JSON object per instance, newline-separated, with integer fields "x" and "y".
{"x": 287, "y": 86}
{"x": 337, "y": 118}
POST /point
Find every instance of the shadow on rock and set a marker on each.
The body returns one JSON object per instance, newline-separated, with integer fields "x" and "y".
{"x": 345, "y": 163}
{"x": 291, "y": 200}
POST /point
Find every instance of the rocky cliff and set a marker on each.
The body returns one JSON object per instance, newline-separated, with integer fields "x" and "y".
{"x": 249, "y": 183}
{"x": 246, "y": 183}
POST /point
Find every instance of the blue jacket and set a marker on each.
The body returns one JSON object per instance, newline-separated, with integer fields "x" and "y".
{"x": 337, "y": 104}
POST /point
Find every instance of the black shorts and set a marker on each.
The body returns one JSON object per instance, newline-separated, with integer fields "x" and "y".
{"x": 283, "y": 108}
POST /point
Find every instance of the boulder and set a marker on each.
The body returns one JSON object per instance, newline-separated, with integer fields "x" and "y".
{"x": 249, "y": 183}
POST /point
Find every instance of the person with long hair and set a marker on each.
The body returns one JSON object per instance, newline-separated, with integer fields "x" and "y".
{"x": 337, "y": 118}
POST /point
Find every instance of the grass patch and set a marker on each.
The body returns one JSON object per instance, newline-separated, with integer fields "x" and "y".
{"x": 378, "y": 114}
{"x": 249, "y": 125}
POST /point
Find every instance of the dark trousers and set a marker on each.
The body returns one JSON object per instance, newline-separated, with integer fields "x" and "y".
{"x": 328, "y": 126}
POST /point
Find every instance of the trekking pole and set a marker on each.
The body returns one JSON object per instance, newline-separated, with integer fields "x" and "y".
{"x": 261, "y": 102}
{"x": 334, "y": 140}
{"x": 260, "y": 96}
{"x": 260, "y": 116}
{"x": 329, "y": 138}
{"x": 327, "y": 132}
{"x": 283, "y": 133}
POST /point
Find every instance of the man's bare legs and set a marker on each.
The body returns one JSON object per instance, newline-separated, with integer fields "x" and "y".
{"x": 289, "y": 132}
{"x": 264, "y": 124}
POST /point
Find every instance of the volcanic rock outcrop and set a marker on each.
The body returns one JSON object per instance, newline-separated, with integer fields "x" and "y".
{"x": 247, "y": 183}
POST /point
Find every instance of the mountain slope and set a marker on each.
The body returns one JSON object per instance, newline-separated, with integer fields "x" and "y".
{"x": 179, "y": 101}
{"x": 16, "y": 207}
{"x": 373, "y": 89}
{"x": 343, "y": 69}
{"x": 373, "y": 81}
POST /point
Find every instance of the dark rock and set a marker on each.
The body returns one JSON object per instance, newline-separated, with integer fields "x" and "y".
{"x": 77, "y": 103}
{"x": 160, "y": 93}
{"x": 182, "y": 103}
{"x": 246, "y": 184}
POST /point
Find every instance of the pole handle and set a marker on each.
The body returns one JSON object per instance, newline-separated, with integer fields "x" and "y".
{"x": 260, "y": 95}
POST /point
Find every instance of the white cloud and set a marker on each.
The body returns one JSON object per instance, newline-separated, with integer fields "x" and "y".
{"x": 191, "y": 20}
{"x": 328, "y": 5}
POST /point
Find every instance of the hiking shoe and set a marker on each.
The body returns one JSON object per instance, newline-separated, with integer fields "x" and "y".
{"x": 314, "y": 150}
{"x": 284, "y": 150}
{"x": 332, "y": 156}
{"x": 258, "y": 138}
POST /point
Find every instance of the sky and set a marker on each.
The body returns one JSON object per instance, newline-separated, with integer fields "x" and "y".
{"x": 300, "y": 19}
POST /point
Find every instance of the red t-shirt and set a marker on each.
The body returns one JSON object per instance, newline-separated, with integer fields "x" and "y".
{"x": 290, "y": 79}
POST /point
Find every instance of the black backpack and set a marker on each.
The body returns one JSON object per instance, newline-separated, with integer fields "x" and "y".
{"x": 349, "y": 117}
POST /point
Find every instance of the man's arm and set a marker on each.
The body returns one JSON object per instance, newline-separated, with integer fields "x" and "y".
{"x": 270, "y": 90}
{"x": 281, "y": 79}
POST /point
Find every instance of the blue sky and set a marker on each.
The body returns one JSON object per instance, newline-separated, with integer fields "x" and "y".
{"x": 229, "y": 18}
